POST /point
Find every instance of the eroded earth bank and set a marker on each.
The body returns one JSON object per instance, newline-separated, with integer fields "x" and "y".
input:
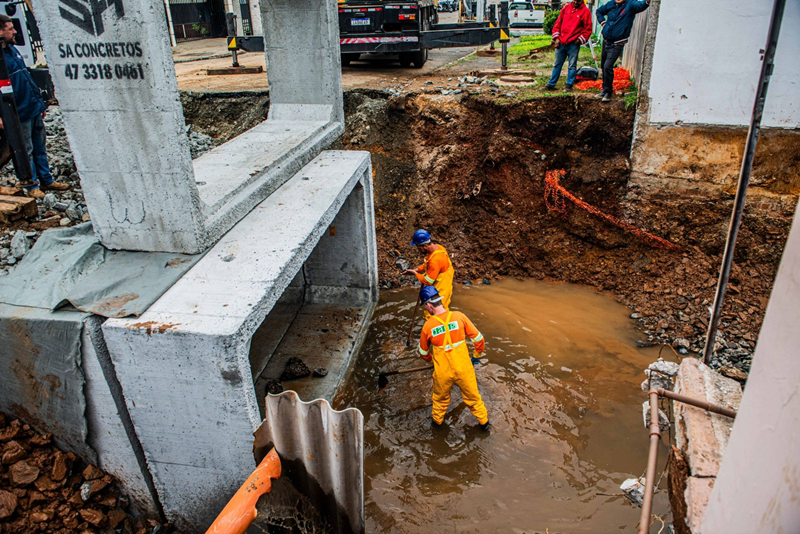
{"x": 472, "y": 171}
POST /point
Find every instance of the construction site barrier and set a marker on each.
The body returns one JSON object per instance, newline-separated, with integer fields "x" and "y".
{"x": 555, "y": 197}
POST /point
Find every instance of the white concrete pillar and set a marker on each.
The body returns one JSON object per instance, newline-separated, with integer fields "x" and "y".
{"x": 758, "y": 485}
{"x": 305, "y": 68}
{"x": 112, "y": 67}
{"x": 255, "y": 17}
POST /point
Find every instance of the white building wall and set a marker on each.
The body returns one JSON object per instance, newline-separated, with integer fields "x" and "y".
{"x": 706, "y": 63}
{"x": 758, "y": 485}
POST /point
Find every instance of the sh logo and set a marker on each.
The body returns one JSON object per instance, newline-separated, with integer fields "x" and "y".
{"x": 88, "y": 14}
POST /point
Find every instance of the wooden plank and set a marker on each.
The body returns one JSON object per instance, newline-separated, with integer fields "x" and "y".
{"x": 13, "y": 208}
{"x": 11, "y": 191}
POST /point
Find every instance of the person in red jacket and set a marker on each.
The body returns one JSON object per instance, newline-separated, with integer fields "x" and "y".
{"x": 571, "y": 30}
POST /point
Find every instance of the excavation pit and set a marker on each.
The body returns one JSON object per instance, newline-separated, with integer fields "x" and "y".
{"x": 561, "y": 381}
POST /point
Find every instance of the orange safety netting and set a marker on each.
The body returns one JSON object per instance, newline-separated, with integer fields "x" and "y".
{"x": 622, "y": 81}
{"x": 554, "y": 199}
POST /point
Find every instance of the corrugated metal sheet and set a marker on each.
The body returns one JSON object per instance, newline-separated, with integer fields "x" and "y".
{"x": 322, "y": 453}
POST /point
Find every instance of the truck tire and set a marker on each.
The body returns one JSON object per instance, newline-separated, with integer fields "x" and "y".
{"x": 419, "y": 58}
{"x": 347, "y": 58}
{"x": 406, "y": 58}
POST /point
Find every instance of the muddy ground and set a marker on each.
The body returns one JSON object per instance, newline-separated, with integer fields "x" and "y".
{"x": 471, "y": 170}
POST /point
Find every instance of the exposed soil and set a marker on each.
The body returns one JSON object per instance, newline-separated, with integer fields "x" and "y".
{"x": 471, "y": 170}
{"x": 43, "y": 489}
{"x": 223, "y": 116}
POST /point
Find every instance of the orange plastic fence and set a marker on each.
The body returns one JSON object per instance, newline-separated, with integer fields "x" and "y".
{"x": 240, "y": 511}
{"x": 555, "y": 197}
{"x": 622, "y": 81}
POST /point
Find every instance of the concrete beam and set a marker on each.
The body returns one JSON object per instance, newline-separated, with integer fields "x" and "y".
{"x": 305, "y": 73}
{"x": 113, "y": 71}
{"x": 185, "y": 364}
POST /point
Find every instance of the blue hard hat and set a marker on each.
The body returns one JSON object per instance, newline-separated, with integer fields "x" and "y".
{"x": 421, "y": 237}
{"x": 428, "y": 293}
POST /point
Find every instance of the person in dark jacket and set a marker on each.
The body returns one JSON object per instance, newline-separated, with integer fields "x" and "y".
{"x": 572, "y": 28}
{"x": 31, "y": 110}
{"x": 616, "y": 18}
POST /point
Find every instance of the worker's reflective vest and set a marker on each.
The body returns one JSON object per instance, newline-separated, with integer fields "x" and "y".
{"x": 443, "y": 281}
{"x": 447, "y": 327}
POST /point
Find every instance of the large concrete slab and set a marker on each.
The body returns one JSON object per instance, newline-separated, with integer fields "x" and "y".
{"x": 52, "y": 376}
{"x": 757, "y": 486}
{"x": 185, "y": 364}
{"x": 114, "y": 74}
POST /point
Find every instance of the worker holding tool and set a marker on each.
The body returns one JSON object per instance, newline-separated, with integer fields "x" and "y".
{"x": 616, "y": 19}
{"x": 444, "y": 340}
{"x": 572, "y": 29}
{"x": 437, "y": 269}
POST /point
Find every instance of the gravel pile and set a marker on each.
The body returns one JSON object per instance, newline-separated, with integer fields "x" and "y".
{"x": 43, "y": 489}
{"x": 61, "y": 208}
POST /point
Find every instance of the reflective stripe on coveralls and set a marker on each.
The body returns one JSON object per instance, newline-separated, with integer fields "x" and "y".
{"x": 443, "y": 282}
{"x": 452, "y": 365}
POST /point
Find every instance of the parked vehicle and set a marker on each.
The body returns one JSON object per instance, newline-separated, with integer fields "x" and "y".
{"x": 527, "y": 14}
{"x": 448, "y": 6}
{"x": 408, "y": 28}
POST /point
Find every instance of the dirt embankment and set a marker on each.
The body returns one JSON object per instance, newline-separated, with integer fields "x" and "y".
{"x": 471, "y": 170}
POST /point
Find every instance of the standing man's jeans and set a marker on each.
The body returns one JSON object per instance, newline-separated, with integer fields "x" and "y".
{"x": 35, "y": 141}
{"x": 562, "y": 52}
{"x": 609, "y": 56}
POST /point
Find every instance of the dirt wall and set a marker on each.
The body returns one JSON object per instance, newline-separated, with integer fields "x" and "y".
{"x": 703, "y": 162}
{"x": 471, "y": 170}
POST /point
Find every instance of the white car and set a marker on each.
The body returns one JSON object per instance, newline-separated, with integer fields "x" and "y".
{"x": 526, "y": 14}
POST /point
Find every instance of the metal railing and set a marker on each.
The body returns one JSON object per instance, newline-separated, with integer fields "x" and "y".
{"x": 655, "y": 438}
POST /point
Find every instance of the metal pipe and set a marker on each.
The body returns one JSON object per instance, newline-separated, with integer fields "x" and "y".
{"x": 744, "y": 174}
{"x": 652, "y": 461}
{"x": 707, "y": 406}
{"x": 172, "y": 39}
{"x": 655, "y": 437}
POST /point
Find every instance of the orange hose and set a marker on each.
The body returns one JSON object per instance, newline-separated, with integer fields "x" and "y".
{"x": 554, "y": 195}
{"x": 240, "y": 511}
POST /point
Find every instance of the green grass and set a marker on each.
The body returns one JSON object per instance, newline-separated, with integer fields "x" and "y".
{"x": 543, "y": 59}
{"x": 527, "y": 43}
{"x": 631, "y": 96}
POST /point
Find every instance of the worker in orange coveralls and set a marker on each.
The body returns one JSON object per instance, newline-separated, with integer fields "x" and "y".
{"x": 437, "y": 270}
{"x": 444, "y": 340}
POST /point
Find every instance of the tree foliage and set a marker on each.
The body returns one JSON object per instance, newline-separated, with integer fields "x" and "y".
{"x": 549, "y": 20}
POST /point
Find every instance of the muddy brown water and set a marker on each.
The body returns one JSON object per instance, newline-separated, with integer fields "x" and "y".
{"x": 562, "y": 384}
